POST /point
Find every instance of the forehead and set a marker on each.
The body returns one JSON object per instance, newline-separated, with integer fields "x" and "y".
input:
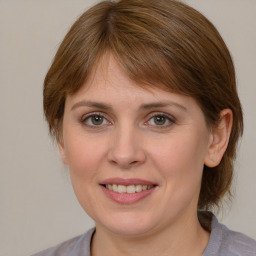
{"x": 110, "y": 85}
{"x": 108, "y": 77}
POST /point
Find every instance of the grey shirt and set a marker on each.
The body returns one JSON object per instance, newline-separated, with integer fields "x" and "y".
{"x": 223, "y": 242}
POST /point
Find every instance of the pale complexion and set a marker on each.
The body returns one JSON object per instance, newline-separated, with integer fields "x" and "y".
{"x": 113, "y": 128}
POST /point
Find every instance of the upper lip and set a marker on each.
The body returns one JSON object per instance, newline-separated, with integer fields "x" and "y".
{"x": 127, "y": 182}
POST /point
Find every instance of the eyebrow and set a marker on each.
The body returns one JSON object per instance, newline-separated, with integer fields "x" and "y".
{"x": 162, "y": 104}
{"x": 105, "y": 106}
{"x": 91, "y": 104}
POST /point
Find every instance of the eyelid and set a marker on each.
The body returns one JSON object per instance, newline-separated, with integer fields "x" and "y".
{"x": 96, "y": 113}
{"x": 169, "y": 117}
{"x": 163, "y": 114}
{"x": 159, "y": 113}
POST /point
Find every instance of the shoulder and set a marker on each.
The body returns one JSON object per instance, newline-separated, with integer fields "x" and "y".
{"x": 76, "y": 246}
{"x": 238, "y": 243}
{"x": 224, "y": 241}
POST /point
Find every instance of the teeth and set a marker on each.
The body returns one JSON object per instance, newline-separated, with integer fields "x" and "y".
{"x": 121, "y": 189}
{"x": 138, "y": 188}
{"x": 109, "y": 186}
{"x": 128, "y": 189}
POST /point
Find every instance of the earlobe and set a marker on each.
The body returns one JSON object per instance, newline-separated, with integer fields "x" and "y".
{"x": 219, "y": 139}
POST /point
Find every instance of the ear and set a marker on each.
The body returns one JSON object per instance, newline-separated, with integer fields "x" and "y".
{"x": 62, "y": 150}
{"x": 219, "y": 139}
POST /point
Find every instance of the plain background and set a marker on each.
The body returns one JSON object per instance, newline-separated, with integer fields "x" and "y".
{"x": 37, "y": 206}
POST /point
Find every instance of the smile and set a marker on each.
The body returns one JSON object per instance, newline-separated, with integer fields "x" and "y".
{"x": 127, "y": 191}
{"x": 130, "y": 189}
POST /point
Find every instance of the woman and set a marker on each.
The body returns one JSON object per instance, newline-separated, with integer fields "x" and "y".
{"x": 141, "y": 98}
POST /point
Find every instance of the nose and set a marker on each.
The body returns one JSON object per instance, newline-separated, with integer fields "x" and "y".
{"x": 126, "y": 149}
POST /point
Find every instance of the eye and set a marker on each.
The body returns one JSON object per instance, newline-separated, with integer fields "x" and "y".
{"x": 161, "y": 120}
{"x": 94, "y": 120}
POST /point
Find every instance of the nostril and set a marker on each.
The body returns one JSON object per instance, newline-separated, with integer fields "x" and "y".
{"x": 134, "y": 162}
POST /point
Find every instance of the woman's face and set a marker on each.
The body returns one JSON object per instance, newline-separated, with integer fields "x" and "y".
{"x": 136, "y": 156}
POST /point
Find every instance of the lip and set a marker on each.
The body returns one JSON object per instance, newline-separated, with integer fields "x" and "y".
{"x": 127, "y": 182}
{"x": 126, "y": 198}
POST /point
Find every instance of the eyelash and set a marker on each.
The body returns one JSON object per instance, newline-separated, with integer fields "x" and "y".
{"x": 167, "y": 118}
{"x": 95, "y": 114}
{"x": 171, "y": 120}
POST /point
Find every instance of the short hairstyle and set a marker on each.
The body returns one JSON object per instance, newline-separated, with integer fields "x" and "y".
{"x": 158, "y": 43}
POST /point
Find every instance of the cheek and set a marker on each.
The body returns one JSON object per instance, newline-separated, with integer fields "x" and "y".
{"x": 180, "y": 163}
{"x": 85, "y": 159}
{"x": 84, "y": 155}
{"x": 180, "y": 158}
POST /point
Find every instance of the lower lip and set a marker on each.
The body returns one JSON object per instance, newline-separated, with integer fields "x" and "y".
{"x": 126, "y": 198}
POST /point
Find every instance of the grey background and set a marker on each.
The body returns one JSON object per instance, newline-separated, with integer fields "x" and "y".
{"x": 37, "y": 206}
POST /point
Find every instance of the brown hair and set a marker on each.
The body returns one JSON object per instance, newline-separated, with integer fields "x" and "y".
{"x": 158, "y": 43}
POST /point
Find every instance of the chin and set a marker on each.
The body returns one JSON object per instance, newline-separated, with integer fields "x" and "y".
{"x": 131, "y": 225}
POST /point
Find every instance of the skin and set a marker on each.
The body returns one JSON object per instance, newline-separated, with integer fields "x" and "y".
{"x": 130, "y": 142}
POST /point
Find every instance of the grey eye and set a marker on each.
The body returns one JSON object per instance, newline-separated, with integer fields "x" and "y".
{"x": 95, "y": 120}
{"x": 160, "y": 120}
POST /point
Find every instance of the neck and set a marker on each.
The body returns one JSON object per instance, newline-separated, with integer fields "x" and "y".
{"x": 184, "y": 238}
